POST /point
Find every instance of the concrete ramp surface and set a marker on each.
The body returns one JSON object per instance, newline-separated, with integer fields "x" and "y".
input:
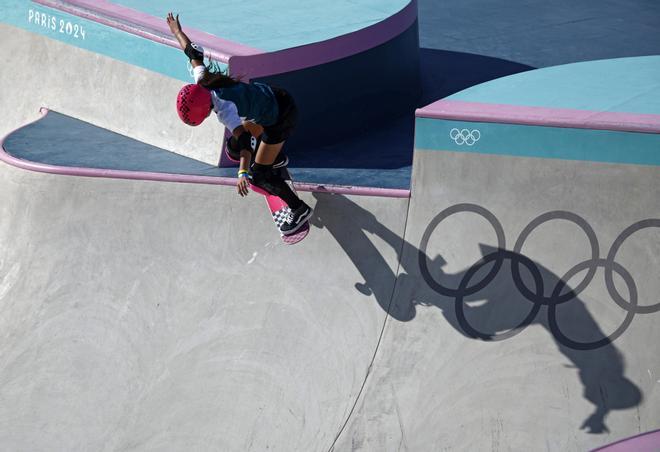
{"x": 161, "y": 316}
{"x": 154, "y": 315}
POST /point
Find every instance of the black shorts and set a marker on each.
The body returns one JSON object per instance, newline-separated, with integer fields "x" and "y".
{"x": 286, "y": 119}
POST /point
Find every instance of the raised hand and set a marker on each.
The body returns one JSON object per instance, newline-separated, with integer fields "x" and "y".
{"x": 173, "y": 22}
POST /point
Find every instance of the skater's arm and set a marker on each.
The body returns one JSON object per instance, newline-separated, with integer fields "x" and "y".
{"x": 244, "y": 140}
{"x": 191, "y": 50}
{"x": 243, "y": 184}
{"x": 246, "y": 147}
{"x": 246, "y": 158}
{"x": 242, "y": 137}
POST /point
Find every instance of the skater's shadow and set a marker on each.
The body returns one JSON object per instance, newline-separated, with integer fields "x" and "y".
{"x": 349, "y": 224}
{"x": 480, "y": 303}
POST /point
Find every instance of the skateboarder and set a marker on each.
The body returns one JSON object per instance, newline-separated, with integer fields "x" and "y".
{"x": 270, "y": 112}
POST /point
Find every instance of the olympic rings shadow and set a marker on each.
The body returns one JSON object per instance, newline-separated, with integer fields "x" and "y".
{"x": 486, "y": 302}
{"x": 461, "y": 288}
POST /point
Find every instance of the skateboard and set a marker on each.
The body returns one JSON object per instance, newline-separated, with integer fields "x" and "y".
{"x": 279, "y": 210}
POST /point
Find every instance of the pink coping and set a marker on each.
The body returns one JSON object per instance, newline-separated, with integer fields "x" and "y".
{"x": 541, "y": 116}
{"x": 326, "y": 51}
{"x": 245, "y": 60}
{"x": 219, "y": 49}
{"x": 183, "y": 178}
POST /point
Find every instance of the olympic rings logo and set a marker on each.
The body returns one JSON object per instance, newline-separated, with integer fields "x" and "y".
{"x": 464, "y": 136}
{"x": 536, "y": 294}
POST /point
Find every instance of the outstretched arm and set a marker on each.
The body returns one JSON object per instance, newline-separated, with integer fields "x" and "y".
{"x": 197, "y": 59}
{"x": 182, "y": 38}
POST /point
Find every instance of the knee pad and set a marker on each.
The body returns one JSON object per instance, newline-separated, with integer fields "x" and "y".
{"x": 232, "y": 149}
{"x": 264, "y": 177}
{"x": 261, "y": 174}
{"x": 234, "y": 146}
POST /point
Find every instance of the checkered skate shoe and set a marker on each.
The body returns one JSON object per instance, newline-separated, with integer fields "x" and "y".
{"x": 295, "y": 219}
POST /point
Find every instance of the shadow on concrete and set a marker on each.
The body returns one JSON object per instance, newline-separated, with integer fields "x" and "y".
{"x": 486, "y": 301}
{"x": 445, "y": 73}
{"x": 390, "y": 145}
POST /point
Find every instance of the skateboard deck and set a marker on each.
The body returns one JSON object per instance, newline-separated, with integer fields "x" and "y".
{"x": 279, "y": 210}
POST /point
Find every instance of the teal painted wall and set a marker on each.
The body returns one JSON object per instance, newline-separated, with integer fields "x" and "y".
{"x": 537, "y": 141}
{"x": 97, "y": 38}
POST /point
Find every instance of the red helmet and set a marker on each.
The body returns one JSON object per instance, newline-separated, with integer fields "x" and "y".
{"x": 193, "y": 104}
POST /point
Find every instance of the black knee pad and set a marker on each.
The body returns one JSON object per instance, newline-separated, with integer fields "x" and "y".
{"x": 234, "y": 147}
{"x": 263, "y": 176}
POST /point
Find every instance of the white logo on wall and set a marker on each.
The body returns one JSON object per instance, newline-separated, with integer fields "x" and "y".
{"x": 56, "y": 24}
{"x": 464, "y": 136}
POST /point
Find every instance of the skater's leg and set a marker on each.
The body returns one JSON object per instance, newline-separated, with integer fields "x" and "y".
{"x": 264, "y": 177}
{"x": 267, "y": 153}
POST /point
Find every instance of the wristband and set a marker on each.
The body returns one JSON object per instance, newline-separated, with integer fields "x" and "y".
{"x": 194, "y": 51}
{"x": 243, "y": 173}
